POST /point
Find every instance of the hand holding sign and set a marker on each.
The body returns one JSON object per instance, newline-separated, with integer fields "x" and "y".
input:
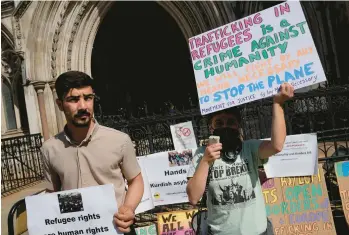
{"x": 124, "y": 219}
{"x": 285, "y": 93}
{"x": 212, "y": 152}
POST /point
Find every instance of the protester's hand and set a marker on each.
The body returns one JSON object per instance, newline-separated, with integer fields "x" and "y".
{"x": 124, "y": 219}
{"x": 285, "y": 93}
{"x": 212, "y": 152}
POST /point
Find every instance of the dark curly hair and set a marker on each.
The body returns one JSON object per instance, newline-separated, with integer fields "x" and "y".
{"x": 72, "y": 79}
{"x": 234, "y": 110}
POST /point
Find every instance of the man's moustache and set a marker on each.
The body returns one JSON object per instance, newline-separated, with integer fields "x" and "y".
{"x": 82, "y": 114}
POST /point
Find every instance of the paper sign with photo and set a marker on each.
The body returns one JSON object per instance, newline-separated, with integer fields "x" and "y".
{"x": 167, "y": 175}
{"x": 80, "y": 211}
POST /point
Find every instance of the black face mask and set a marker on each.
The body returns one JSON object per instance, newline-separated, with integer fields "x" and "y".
{"x": 230, "y": 139}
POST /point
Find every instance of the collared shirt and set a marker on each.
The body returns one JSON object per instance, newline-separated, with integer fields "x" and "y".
{"x": 105, "y": 156}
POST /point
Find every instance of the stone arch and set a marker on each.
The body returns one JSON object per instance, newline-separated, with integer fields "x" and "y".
{"x": 61, "y": 38}
{"x": 65, "y": 41}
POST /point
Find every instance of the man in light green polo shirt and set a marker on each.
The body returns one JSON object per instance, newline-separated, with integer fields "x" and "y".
{"x": 235, "y": 201}
{"x": 88, "y": 154}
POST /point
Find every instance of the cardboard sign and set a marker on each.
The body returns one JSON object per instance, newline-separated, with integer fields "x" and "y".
{"x": 299, "y": 205}
{"x": 342, "y": 171}
{"x": 250, "y": 58}
{"x": 79, "y": 211}
{"x": 175, "y": 222}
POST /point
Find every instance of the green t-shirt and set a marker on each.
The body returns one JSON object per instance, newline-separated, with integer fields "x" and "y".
{"x": 235, "y": 200}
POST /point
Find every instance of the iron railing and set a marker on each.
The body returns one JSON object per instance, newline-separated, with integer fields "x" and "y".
{"x": 20, "y": 162}
{"x": 315, "y": 111}
{"x": 324, "y": 111}
{"x": 334, "y": 147}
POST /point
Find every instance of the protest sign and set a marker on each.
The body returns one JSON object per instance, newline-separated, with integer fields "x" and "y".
{"x": 299, "y": 205}
{"x": 147, "y": 230}
{"x": 176, "y": 222}
{"x": 167, "y": 175}
{"x": 342, "y": 171}
{"x": 183, "y": 136}
{"x": 147, "y": 200}
{"x": 79, "y": 211}
{"x": 250, "y": 58}
{"x": 298, "y": 157}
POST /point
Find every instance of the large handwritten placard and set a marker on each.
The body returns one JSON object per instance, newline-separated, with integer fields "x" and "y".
{"x": 176, "y": 222}
{"x": 299, "y": 205}
{"x": 342, "y": 171}
{"x": 249, "y": 59}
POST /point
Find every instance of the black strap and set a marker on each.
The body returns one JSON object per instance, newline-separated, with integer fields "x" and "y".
{"x": 203, "y": 203}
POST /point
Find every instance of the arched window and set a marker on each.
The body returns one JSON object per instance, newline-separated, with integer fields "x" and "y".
{"x": 7, "y": 102}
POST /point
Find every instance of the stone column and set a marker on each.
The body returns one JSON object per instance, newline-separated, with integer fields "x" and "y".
{"x": 60, "y": 125}
{"x": 39, "y": 87}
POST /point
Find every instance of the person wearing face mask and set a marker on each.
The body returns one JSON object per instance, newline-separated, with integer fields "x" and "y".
{"x": 235, "y": 202}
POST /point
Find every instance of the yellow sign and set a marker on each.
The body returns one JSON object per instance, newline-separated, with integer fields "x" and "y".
{"x": 176, "y": 222}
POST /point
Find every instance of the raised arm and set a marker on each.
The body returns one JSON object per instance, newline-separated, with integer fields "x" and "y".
{"x": 278, "y": 127}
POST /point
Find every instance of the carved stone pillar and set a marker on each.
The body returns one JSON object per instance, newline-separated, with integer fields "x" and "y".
{"x": 39, "y": 87}
{"x": 60, "y": 125}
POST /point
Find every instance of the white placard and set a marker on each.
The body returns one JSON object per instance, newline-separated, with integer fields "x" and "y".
{"x": 299, "y": 157}
{"x": 183, "y": 136}
{"x": 147, "y": 199}
{"x": 79, "y": 211}
{"x": 250, "y": 58}
{"x": 167, "y": 175}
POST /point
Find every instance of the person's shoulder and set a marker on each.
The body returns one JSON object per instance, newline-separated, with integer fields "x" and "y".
{"x": 252, "y": 142}
{"x": 53, "y": 141}
{"x": 53, "y": 144}
{"x": 112, "y": 132}
{"x": 252, "y": 145}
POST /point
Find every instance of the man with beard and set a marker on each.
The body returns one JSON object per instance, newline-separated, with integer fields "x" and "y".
{"x": 235, "y": 162}
{"x": 88, "y": 154}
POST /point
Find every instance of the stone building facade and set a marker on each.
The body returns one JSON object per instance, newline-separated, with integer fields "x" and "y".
{"x": 41, "y": 39}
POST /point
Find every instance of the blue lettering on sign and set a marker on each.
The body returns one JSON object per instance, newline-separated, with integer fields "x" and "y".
{"x": 307, "y": 217}
{"x": 342, "y": 169}
{"x": 256, "y": 86}
{"x": 295, "y": 74}
{"x": 204, "y": 99}
{"x": 232, "y": 92}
